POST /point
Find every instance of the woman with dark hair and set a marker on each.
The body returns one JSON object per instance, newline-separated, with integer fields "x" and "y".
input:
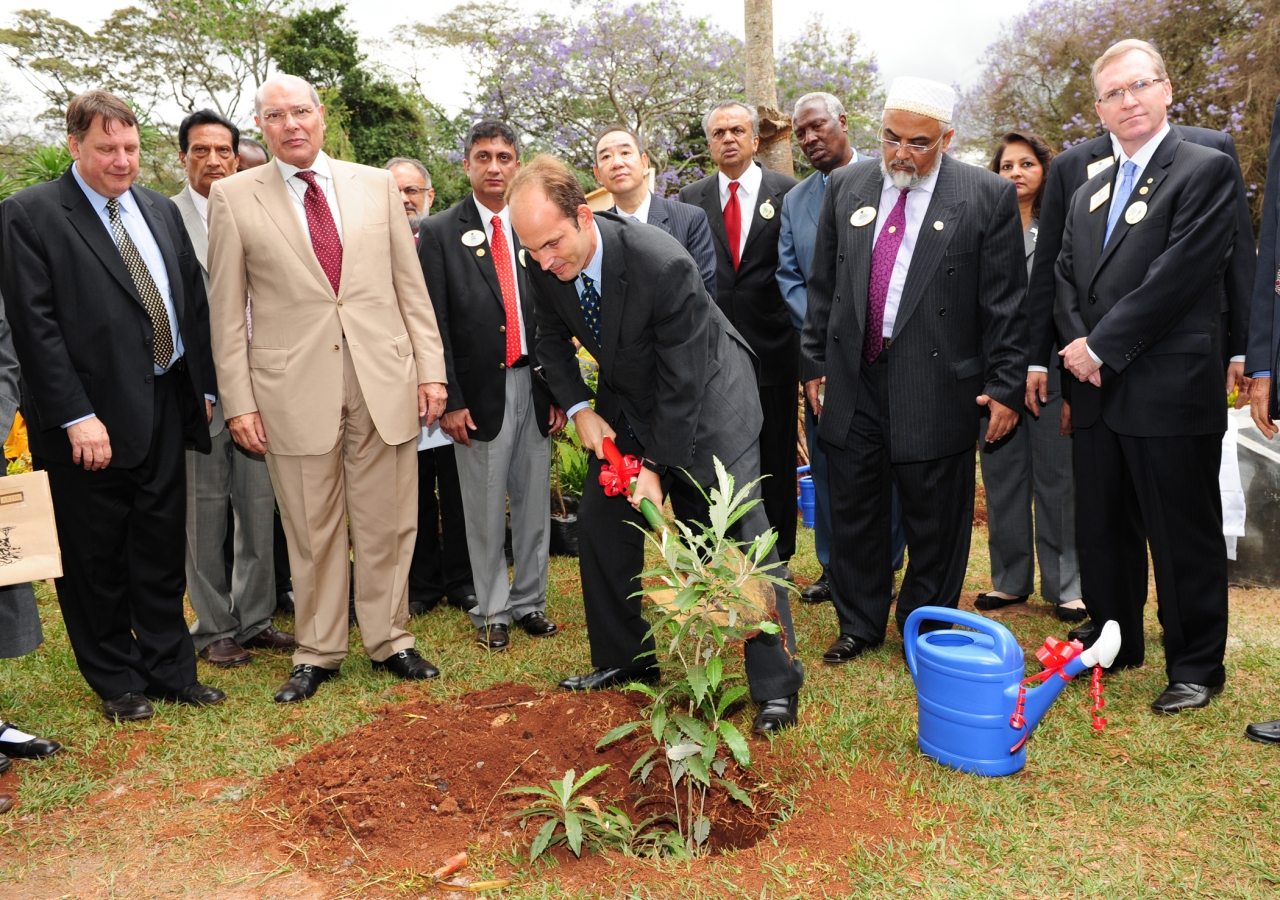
{"x": 1034, "y": 459}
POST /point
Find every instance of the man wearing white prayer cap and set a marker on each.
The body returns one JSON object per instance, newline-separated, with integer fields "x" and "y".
{"x": 915, "y": 326}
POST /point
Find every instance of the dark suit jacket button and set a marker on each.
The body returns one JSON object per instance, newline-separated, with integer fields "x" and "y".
{"x": 1093, "y": 298}
{"x": 836, "y": 338}
{"x": 502, "y": 327}
{"x": 943, "y": 311}
{"x": 149, "y": 379}
{"x": 837, "y": 298}
{"x": 934, "y": 352}
{"x": 840, "y": 258}
{"x": 951, "y": 270}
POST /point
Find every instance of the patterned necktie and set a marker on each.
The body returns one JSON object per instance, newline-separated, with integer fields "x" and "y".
{"x": 590, "y": 301}
{"x": 1129, "y": 169}
{"x": 507, "y": 281}
{"x": 324, "y": 233}
{"x": 152, "y": 302}
{"x": 733, "y": 224}
{"x": 882, "y": 260}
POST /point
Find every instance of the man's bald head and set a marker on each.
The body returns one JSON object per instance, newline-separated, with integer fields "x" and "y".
{"x": 291, "y": 117}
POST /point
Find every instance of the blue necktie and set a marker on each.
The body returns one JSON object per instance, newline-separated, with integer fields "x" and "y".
{"x": 1121, "y": 198}
{"x": 590, "y": 300}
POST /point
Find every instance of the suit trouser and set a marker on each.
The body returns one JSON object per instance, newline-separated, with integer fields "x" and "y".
{"x": 433, "y": 575}
{"x": 611, "y": 558}
{"x": 937, "y": 512}
{"x": 1033, "y": 460}
{"x": 374, "y": 485}
{"x": 512, "y": 470}
{"x": 121, "y": 533}
{"x": 1167, "y": 488}
{"x": 778, "y": 436}
{"x": 245, "y": 609}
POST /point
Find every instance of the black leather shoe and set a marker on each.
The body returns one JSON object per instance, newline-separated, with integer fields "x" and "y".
{"x": 602, "y": 679}
{"x": 418, "y": 607}
{"x": 1085, "y": 634}
{"x": 775, "y": 715}
{"x": 989, "y": 601}
{"x": 36, "y": 748}
{"x": 304, "y": 681}
{"x": 466, "y": 602}
{"x": 818, "y": 592}
{"x": 1180, "y": 695}
{"x": 1071, "y": 614}
{"x": 846, "y": 649}
{"x": 407, "y": 664}
{"x": 5, "y": 764}
{"x": 493, "y": 637}
{"x": 195, "y": 694}
{"x": 128, "y": 707}
{"x": 284, "y": 602}
{"x": 1264, "y": 732}
{"x": 535, "y": 624}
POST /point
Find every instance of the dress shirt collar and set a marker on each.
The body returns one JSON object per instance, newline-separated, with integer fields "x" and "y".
{"x": 486, "y": 215}
{"x": 925, "y": 188}
{"x": 642, "y": 211}
{"x": 827, "y": 175}
{"x": 128, "y": 206}
{"x": 748, "y": 184}
{"x": 320, "y": 167}
{"x": 1143, "y": 154}
{"x": 594, "y": 269}
{"x": 201, "y": 204}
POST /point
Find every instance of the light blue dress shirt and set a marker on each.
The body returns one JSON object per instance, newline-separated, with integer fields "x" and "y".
{"x": 594, "y": 270}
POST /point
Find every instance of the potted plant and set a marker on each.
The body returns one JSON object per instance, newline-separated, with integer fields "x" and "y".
{"x": 569, "y": 464}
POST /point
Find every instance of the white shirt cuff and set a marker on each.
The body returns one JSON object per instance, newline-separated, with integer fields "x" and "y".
{"x": 577, "y": 408}
{"x": 1038, "y": 369}
{"x": 79, "y": 420}
{"x": 1237, "y": 359}
{"x": 1096, "y": 358}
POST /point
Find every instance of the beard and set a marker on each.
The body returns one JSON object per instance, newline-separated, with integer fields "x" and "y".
{"x": 904, "y": 179}
{"x": 416, "y": 220}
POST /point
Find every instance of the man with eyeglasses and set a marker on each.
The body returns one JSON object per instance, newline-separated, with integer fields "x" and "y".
{"x": 414, "y": 183}
{"x": 345, "y": 360}
{"x": 915, "y": 322}
{"x": 1145, "y": 257}
{"x": 233, "y": 604}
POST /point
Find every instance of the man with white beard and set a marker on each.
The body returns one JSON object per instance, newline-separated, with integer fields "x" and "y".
{"x": 915, "y": 323}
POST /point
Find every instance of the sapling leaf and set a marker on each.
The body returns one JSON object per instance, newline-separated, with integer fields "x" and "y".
{"x": 620, "y": 732}
{"x": 683, "y": 751}
{"x": 644, "y": 758}
{"x": 701, "y": 830}
{"x": 729, "y": 697}
{"x": 588, "y": 776}
{"x": 769, "y": 627}
{"x": 658, "y": 721}
{"x": 573, "y": 831}
{"x": 543, "y": 838}
{"x": 647, "y": 770}
{"x": 719, "y": 766}
{"x": 736, "y": 743}
{"x": 698, "y": 682}
{"x": 736, "y": 793}
{"x": 698, "y": 770}
{"x": 715, "y": 671}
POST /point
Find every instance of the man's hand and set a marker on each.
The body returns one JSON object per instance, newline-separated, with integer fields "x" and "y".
{"x": 648, "y": 486}
{"x": 592, "y": 430}
{"x": 431, "y": 399}
{"x": 1237, "y": 379}
{"x": 557, "y": 419}
{"x": 811, "y": 391}
{"x": 1065, "y": 425}
{"x": 1080, "y": 363}
{"x": 90, "y": 445}
{"x": 247, "y": 431}
{"x": 1003, "y": 419}
{"x": 456, "y": 424}
{"x": 208, "y": 410}
{"x": 1037, "y": 391}
{"x": 1260, "y": 406}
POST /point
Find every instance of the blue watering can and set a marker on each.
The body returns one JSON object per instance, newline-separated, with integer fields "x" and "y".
{"x": 975, "y": 712}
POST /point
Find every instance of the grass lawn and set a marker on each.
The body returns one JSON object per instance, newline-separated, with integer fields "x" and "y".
{"x": 1152, "y": 807}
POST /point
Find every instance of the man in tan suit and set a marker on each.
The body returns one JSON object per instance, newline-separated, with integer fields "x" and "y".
{"x": 346, "y": 357}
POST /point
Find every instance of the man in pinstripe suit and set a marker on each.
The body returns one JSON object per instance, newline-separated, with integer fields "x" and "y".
{"x": 915, "y": 321}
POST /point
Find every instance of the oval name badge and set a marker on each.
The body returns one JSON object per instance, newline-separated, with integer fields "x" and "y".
{"x": 523, "y": 264}
{"x": 862, "y": 216}
{"x": 1135, "y": 213}
{"x": 766, "y": 210}
{"x": 473, "y": 238}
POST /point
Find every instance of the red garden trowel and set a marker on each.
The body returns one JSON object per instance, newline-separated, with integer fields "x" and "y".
{"x": 618, "y": 478}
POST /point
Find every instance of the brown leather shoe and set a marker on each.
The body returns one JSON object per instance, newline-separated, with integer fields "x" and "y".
{"x": 270, "y": 638}
{"x": 225, "y": 654}
{"x": 6, "y": 802}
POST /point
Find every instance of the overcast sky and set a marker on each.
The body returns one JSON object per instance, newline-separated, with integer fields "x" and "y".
{"x": 940, "y": 39}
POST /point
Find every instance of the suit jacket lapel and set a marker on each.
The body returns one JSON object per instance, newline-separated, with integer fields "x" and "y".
{"x": 613, "y": 292}
{"x": 813, "y": 201}
{"x": 865, "y": 192}
{"x": 353, "y": 202}
{"x": 931, "y": 243}
{"x": 710, "y": 203}
{"x": 1150, "y": 179}
{"x": 85, "y": 219}
{"x": 165, "y": 242}
{"x": 470, "y": 221}
{"x": 196, "y": 229}
{"x": 658, "y": 212}
{"x": 767, "y": 194}
{"x": 274, "y": 197}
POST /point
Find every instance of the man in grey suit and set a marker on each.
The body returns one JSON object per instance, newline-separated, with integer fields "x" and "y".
{"x": 230, "y": 617}
{"x": 621, "y": 168}
{"x": 915, "y": 320}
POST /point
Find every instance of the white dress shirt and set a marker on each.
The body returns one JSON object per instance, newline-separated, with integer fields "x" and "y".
{"x": 594, "y": 270}
{"x": 201, "y": 204}
{"x": 641, "y": 214}
{"x": 748, "y": 196}
{"x": 298, "y": 189}
{"x": 486, "y": 216}
{"x": 917, "y": 205}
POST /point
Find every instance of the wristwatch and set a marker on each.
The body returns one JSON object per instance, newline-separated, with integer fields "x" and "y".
{"x": 655, "y": 468}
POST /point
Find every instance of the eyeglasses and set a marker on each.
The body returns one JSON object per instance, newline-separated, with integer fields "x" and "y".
{"x": 914, "y": 149}
{"x": 1111, "y": 98}
{"x": 412, "y": 192}
{"x": 203, "y": 152}
{"x": 278, "y": 116}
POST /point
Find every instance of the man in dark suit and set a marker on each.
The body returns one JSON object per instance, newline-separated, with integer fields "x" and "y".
{"x": 743, "y": 203}
{"x": 915, "y": 321}
{"x": 499, "y": 414}
{"x": 622, "y": 170}
{"x": 111, "y": 325}
{"x": 676, "y": 388}
{"x": 1147, "y": 246}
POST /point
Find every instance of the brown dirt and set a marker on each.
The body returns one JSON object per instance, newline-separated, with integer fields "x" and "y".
{"x": 980, "y": 506}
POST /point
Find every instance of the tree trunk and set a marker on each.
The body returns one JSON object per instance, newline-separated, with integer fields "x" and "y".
{"x": 762, "y": 88}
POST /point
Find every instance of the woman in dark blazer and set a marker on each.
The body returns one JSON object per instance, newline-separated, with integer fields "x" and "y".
{"x": 1035, "y": 459}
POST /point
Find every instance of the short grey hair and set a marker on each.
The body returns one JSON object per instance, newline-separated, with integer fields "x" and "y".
{"x": 725, "y": 104}
{"x": 406, "y": 161}
{"x": 262, "y": 89}
{"x": 835, "y": 109}
{"x": 1117, "y": 50}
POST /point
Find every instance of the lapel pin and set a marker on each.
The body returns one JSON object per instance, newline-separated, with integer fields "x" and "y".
{"x": 1149, "y": 180}
{"x": 766, "y": 209}
{"x": 479, "y": 251}
{"x": 1135, "y": 213}
{"x": 523, "y": 264}
{"x": 1144, "y": 189}
{"x": 1100, "y": 166}
{"x": 938, "y": 226}
{"x": 1100, "y": 197}
{"x": 1035, "y": 233}
{"x": 893, "y": 228}
{"x": 473, "y": 238}
{"x": 862, "y": 216}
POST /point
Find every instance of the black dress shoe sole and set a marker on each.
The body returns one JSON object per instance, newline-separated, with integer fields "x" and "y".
{"x": 649, "y": 678}
{"x": 230, "y": 664}
{"x": 1256, "y": 738}
{"x": 21, "y": 751}
{"x": 128, "y": 717}
{"x": 841, "y": 660}
{"x": 1173, "y": 711}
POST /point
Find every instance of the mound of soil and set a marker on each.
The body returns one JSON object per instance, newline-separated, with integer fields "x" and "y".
{"x": 427, "y": 780}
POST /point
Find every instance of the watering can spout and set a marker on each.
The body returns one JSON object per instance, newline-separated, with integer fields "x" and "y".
{"x": 1103, "y": 653}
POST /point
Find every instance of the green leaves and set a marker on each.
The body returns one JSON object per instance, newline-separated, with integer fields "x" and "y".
{"x": 618, "y": 733}
{"x": 736, "y": 743}
{"x": 564, "y": 809}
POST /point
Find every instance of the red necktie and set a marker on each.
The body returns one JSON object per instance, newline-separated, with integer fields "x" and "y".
{"x": 507, "y": 280}
{"x": 733, "y": 224}
{"x": 324, "y": 233}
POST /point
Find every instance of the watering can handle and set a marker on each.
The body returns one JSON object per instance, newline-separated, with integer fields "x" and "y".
{"x": 1005, "y": 645}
